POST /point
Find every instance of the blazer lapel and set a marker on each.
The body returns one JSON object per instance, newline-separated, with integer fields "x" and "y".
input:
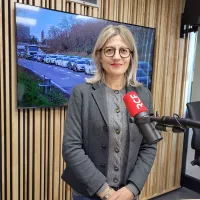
{"x": 100, "y": 99}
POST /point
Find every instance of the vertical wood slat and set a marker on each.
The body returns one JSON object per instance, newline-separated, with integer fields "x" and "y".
{"x": 50, "y": 154}
{"x": 37, "y": 153}
{"x": 61, "y": 162}
{"x": 130, "y": 7}
{"x": 21, "y": 167}
{"x": 77, "y": 8}
{"x": 35, "y": 142}
{"x": 121, "y": 8}
{"x": 71, "y": 9}
{"x": 83, "y": 9}
{"x": 46, "y": 149}
{"x": 134, "y": 11}
{"x": 101, "y": 6}
{"x": 105, "y": 8}
{"x": 37, "y": 3}
{"x": 7, "y": 100}
{"x": 90, "y": 11}
{"x": 30, "y": 154}
{"x": 42, "y": 157}
{"x": 110, "y": 9}
{"x": 47, "y": 4}
{"x": 2, "y": 128}
{"x": 25, "y": 153}
{"x": 141, "y": 9}
{"x": 95, "y": 12}
{"x": 56, "y": 154}
{"x": 14, "y": 112}
{"x": 43, "y": 3}
{"x": 67, "y": 7}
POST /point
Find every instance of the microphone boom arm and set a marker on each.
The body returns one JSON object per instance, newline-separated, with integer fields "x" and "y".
{"x": 166, "y": 123}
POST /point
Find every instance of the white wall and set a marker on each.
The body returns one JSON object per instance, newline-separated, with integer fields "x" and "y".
{"x": 196, "y": 80}
{"x": 194, "y": 171}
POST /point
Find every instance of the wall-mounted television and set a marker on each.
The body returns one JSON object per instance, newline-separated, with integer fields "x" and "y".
{"x": 54, "y": 49}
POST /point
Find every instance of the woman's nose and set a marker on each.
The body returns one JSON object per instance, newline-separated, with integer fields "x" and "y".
{"x": 116, "y": 55}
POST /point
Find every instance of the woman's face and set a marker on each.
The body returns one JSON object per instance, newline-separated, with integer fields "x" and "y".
{"x": 115, "y": 65}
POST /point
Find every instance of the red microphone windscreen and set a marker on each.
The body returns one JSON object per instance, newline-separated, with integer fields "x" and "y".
{"x": 134, "y": 104}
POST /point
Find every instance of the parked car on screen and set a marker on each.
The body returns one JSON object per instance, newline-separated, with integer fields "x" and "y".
{"x": 90, "y": 69}
{"x": 77, "y": 57}
{"x": 30, "y": 51}
{"x": 79, "y": 65}
{"x": 53, "y": 59}
{"x": 58, "y": 60}
{"x": 41, "y": 58}
{"x": 34, "y": 57}
{"x": 21, "y": 54}
{"x": 47, "y": 59}
{"x": 71, "y": 62}
{"x": 38, "y": 57}
{"x": 89, "y": 61}
{"x": 64, "y": 61}
{"x": 143, "y": 78}
{"x": 21, "y": 50}
{"x": 146, "y": 67}
{"x": 86, "y": 59}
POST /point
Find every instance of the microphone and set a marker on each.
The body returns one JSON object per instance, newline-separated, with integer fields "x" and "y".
{"x": 138, "y": 110}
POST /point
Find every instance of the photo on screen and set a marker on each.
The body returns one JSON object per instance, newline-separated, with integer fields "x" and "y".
{"x": 54, "y": 50}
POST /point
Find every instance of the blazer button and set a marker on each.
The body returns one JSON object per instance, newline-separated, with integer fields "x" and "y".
{"x": 115, "y": 180}
{"x": 105, "y": 128}
{"x": 117, "y": 110}
{"x": 116, "y": 150}
{"x": 102, "y": 165}
{"x": 116, "y": 168}
{"x": 103, "y": 146}
{"x": 117, "y": 131}
{"x": 116, "y": 91}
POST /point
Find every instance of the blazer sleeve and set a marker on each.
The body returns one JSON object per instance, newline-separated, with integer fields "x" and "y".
{"x": 73, "y": 153}
{"x": 145, "y": 159}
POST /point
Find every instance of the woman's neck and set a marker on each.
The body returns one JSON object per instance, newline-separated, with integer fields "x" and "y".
{"x": 115, "y": 83}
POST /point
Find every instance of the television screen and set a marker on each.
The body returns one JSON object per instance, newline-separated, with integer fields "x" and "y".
{"x": 54, "y": 50}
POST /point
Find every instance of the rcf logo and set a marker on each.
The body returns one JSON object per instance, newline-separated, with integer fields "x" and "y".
{"x": 136, "y": 101}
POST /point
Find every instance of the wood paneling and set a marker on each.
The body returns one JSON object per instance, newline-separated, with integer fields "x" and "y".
{"x": 31, "y": 139}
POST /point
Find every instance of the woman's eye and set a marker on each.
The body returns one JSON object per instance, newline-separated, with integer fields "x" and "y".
{"x": 124, "y": 50}
{"x": 109, "y": 50}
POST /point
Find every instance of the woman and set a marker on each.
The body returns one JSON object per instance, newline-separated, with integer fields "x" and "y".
{"x": 106, "y": 155}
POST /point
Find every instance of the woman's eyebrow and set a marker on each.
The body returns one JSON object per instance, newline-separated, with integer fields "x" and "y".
{"x": 115, "y": 47}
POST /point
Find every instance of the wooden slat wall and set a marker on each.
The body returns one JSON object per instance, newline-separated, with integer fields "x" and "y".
{"x": 31, "y": 139}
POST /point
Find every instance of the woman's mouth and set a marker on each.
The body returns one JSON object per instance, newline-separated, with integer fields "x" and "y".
{"x": 116, "y": 65}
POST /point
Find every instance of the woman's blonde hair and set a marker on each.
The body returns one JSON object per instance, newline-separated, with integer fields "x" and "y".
{"x": 107, "y": 33}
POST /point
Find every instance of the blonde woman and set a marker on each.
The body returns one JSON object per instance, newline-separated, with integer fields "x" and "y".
{"x": 106, "y": 156}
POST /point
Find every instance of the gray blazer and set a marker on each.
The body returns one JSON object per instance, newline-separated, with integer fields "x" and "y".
{"x": 85, "y": 141}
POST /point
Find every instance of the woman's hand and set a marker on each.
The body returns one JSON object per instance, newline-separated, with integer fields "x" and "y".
{"x": 108, "y": 190}
{"x": 122, "y": 194}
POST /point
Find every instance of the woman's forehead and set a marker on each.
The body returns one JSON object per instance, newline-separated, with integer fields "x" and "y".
{"x": 116, "y": 40}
